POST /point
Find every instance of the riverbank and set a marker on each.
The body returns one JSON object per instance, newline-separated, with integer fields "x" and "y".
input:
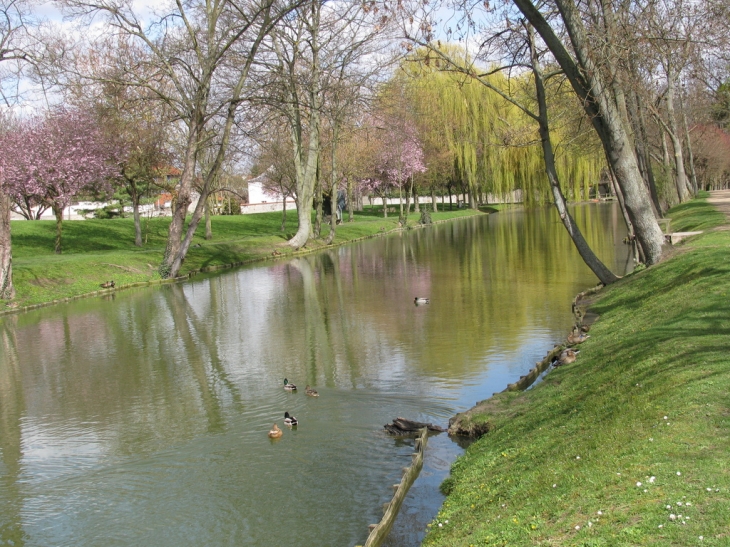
{"x": 98, "y": 251}
{"x": 626, "y": 446}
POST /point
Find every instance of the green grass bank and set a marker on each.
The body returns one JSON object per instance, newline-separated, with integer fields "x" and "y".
{"x": 630, "y": 444}
{"x": 96, "y": 251}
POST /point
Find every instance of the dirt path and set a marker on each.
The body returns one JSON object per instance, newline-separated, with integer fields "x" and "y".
{"x": 721, "y": 200}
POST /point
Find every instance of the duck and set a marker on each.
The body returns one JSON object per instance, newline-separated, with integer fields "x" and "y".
{"x": 311, "y": 392}
{"x": 289, "y": 386}
{"x": 108, "y": 284}
{"x": 577, "y": 337}
{"x": 419, "y": 300}
{"x": 567, "y": 357}
{"x": 290, "y": 420}
{"x": 275, "y": 433}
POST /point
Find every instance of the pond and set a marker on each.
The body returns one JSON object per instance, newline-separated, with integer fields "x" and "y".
{"x": 142, "y": 419}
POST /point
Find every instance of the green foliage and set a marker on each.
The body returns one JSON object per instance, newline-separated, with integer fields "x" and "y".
{"x": 107, "y": 212}
{"x": 627, "y": 446}
{"x": 495, "y": 146}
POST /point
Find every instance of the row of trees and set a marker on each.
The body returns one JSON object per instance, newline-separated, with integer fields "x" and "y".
{"x": 316, "y": 89}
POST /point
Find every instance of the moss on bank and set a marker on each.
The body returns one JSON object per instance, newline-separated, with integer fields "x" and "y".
{"x": 629, "y": 444}
{"x": 96, "y": 251}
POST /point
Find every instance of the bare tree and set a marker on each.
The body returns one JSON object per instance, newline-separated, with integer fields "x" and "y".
{"x": 196, "y": 57}
{"x": 311, "y": 61}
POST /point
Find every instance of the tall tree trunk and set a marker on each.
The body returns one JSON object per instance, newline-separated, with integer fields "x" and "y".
{"x": 319, "y": 202}
{"x": 401, "y": 218}
{"x": 179, "y": 205}
{"x": 643, "y": 154}
{"x": 416, "y": 205}
{"x": 333, "y": 188}
{"x": 680, "y": 177}
{"x": 58, "y": 212}
{"x": 433, "y": 200}
{"x": 586, "y": 79}
{"x": 7, "y": 290}
{"x": 208, "y": 225}
{"x": 690, "y": 154}
{"x": 350, "y": 200}
{"x": 283, "y": 214}
{"x": 134, "y": 195}
{"x": 666, "y": 162}
{"x": 604, "y": 275}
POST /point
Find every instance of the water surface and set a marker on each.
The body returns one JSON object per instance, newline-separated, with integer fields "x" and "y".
{"x": 142, "y": 419}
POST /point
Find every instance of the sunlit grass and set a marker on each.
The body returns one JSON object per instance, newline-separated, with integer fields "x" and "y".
{"x": 628, "y": 445}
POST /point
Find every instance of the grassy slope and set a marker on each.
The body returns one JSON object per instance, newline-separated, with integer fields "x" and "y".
{"x": 95, "y": 251}
{"x": 606, "y": 450}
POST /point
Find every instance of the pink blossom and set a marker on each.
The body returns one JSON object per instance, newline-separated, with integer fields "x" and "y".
{"x": 47, "y": 160}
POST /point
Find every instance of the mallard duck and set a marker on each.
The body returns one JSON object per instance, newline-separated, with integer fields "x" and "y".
{"x": 418, "y": 301}
{"x": 108, "y": 284}
{"x": 290, "y": 420}
{"x": 289, "y": 386}
{"x": 311, "y": 392}
{"x": 567, "y": 357}
{"x": 276, "y": 432}
{"x": 577, "y": 337}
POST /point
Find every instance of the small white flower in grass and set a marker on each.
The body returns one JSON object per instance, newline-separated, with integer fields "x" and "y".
{"x": 590, "y": 524}
{"x": 577, "y": 457}
{"x": 440, "y": 525}
{"x": 679, "y": 503}
{"x": 666, "y": 417}
{"x": 555, "y": 485}
{"x": 669, "y": 506}
{"x": 577, "y": 527}
{"x": 599, "y": 513}
{"x": 672, "y": 517}
{"x": 651, "y": 439}
{"x": 679, "y": 516}
{"x": 446, "y": 521}
{"x": 702, "y": 537}
{"x": 679, "y": 473}
{"x": 638, "y": 484}
{"x": 661, "y": 526}
{"x": 645, "y": 490}
{"x": 688, "y": 504}
{"x": 709, "y": 489}
{"x": 652, "y": 479}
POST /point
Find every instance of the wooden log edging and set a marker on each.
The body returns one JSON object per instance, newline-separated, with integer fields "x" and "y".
{"x": 378, "y": 532}
{"x": 580, "y": 319}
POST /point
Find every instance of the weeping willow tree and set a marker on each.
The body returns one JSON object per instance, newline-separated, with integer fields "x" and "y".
{"x": 499, "y": 133}
{"x": 494, "y": 145}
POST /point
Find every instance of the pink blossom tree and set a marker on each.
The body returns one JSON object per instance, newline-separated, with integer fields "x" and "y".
{"x": 45, "y": 161}
{"x": 399, "y": 158}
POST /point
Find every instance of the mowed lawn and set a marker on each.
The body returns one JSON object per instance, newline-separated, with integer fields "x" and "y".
{"x": 627, "y": 446}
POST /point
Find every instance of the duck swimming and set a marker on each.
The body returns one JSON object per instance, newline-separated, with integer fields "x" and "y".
{"x": 418, "y": 301}
{"x": 290, "y": 420}
{"x": 289, "y": 386}
{"x": 311, "y": 392}
{"x": 276, "y": 432}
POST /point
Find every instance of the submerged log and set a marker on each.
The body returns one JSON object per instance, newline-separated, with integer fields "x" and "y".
{"x": 401, "y": 426}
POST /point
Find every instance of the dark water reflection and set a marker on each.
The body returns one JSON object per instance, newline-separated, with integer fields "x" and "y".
{"x": 142, "y": 420}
